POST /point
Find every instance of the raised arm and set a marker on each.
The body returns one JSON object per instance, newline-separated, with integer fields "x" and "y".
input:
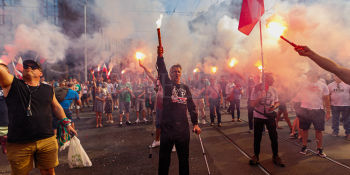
{"x": 6, "y": 79}
{"x": 162, "y": 72}
{"x": 326, "y": 63}
{"x": 148, "y": 73}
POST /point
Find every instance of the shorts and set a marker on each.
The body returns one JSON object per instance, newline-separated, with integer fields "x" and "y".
{"x": 314, "y": 116}
{"x": 115, "y": 96}
{"x": 43, "y": 152}
{"x": 282, "y": 107}
{"x": 140, "y": 105}
{"x": 84, "y": 97}
{"x": 124, "y": 107}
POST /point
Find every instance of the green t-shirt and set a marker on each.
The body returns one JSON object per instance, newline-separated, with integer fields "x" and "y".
{"x": 125, "y": 95}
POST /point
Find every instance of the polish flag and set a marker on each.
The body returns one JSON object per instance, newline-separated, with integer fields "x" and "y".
{"x": 251, "y": 12}
{"x": 18, "y": 74}
{"x": 104, "y": 69}
{"x": 19, "y": 65}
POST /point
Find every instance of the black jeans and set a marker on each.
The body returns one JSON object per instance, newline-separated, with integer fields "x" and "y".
{"x": 214, "y": 105}
{"x": 235, "y": 104}
{"x": 258, "y": 129}
{"x": 167, "y": 142}
{"x": 250, "y": 117}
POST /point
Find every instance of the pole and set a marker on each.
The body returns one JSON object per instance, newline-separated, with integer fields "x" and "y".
{"x": 85, "y": 49}
{"x": 262, "y": 57}
{"x": 204, "y": 154}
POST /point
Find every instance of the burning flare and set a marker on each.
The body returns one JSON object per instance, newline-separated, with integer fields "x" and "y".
{"x": 195, "y": 70}
{"x": 233, "y": 62}
{"x": 214, "y": 69}
{"x": 123, "y": 71}
{"x": 98, "y": 68}
{"x": 139, "y": 56}
{"x": 259, "y": 66}
{"x": 276, "y": 26}
{"x": 159, "y": 21}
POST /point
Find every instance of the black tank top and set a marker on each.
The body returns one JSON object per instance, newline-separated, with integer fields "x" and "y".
{"x": 23, "y": 128}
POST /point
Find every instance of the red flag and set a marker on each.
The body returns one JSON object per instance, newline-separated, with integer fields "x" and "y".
{"x": 251, "y": 12}
{"x": 19, "y": 65}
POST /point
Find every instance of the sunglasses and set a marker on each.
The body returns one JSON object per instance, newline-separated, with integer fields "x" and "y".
{"x": 32, "y": 66}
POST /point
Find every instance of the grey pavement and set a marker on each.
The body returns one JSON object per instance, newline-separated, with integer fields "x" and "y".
{"x": 124, "y": 150}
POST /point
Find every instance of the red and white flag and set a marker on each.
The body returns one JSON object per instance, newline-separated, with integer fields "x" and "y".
{"x": 19, "y": 65}
{"x": 251, "y": 12}
{"x": 18, "y": 74}
{"x": 104, "y": 69}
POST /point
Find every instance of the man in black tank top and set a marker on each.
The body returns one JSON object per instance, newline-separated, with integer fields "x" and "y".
{"x": 30, "y": 107}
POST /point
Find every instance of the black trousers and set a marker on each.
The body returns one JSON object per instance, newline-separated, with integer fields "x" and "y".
{"x": 250, "y": 117}
{"x": 258, "y": 129}
{"x": 181, "y": 142}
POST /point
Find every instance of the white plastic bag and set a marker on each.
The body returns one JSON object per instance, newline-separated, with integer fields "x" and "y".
{"x": 77, "y": 156}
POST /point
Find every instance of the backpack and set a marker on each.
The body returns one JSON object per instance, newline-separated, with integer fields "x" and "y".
{"x": 60, "y": 93}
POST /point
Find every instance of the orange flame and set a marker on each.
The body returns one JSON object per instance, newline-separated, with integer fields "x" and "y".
{"x": 109, "y": 72}
{"x": 159, "y": 21}
{"x": 233, "y": 62}
{"x": 98, "y": 68}
{"x": 123, "y": 71}
{"x": 140, "y": 56}
{"x": 214, "y": 69}
{"x": 259, "y": 65}
{"x": 195, "y": 70}
{"x": 1, "y": 61}
{"x": 276, "y": 26}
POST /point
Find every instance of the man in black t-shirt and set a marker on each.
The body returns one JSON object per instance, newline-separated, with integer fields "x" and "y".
{"x": 175, "y": 130}
{"x": 30, "y": 107}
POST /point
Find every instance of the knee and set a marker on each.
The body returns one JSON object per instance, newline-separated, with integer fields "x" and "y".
{"x": 50, "y": 171}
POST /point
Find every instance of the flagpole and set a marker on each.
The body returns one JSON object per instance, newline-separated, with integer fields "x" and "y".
{"x": 262, "y": 56}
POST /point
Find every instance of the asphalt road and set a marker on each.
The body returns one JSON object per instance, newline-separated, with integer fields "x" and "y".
{"x": 116, "y": 150}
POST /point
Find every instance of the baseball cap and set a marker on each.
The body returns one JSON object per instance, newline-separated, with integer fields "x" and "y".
{"x": 32, "y": 64}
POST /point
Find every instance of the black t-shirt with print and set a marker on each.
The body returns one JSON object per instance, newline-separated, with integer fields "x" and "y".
{"x": 177, "y": 100}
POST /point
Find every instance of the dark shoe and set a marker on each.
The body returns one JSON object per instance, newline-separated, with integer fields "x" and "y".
{"x": 239, "y": 120}
{"x": 278, "y": 161}
{"x": 321, "y": 153}
{"x": 303, "y": 150}
{"x": 219, "y": 125}
{"x": 212, "y": 124}
{"x": 254, "y": 160}
{"x": 128, "y": 123}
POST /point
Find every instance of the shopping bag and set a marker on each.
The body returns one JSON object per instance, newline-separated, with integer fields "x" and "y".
{"x": 77, "y": 156}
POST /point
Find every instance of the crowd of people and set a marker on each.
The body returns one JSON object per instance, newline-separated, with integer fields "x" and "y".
{"x": 170, "y": 97}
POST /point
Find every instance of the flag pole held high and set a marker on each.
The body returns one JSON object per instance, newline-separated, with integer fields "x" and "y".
{"x": 251, "y": 12}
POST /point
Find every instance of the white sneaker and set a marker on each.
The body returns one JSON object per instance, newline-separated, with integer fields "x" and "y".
{"x": 155, "y": 144}
{"x": 145, "y": 120}
{"x": 204, "y": 122}
{"x": 137, "y": 121}
{"x": 174, "y": 149}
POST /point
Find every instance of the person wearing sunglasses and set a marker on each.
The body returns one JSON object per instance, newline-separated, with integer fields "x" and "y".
{"x": 31, "y": 105}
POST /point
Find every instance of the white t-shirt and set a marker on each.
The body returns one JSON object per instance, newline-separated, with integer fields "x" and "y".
{"x": 312, "y": 95}
{"x": 110, "y": 88}
{"x": 340, "y": 94}
{"x": 270, "y": 98}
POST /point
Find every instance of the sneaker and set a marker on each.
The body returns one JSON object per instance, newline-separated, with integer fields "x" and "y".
{"x": 293, "y": 135}
{"x": 128, "y": 123}
{"x": 219, "y": 124}
{"x": 278, "y": 161}
{"x": 155, "y": 144}
{"x": 303, "y": 150}
{"x": 320, "y": 152}
{"x": 145, "y": 120}
{"x": 174, "y": 149}
{"x": 334, "y": 134}
{"x": 254, "y": 160}
{"x": 203, "y": 122}
{"x": 108, "y": 121}
{"x": 137, "y": 121}
{"x": 233, "y": 120}
{"x": 212, "y": 124}
{"x": 239, "y": 120}
{"x": 120, "y": 124}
